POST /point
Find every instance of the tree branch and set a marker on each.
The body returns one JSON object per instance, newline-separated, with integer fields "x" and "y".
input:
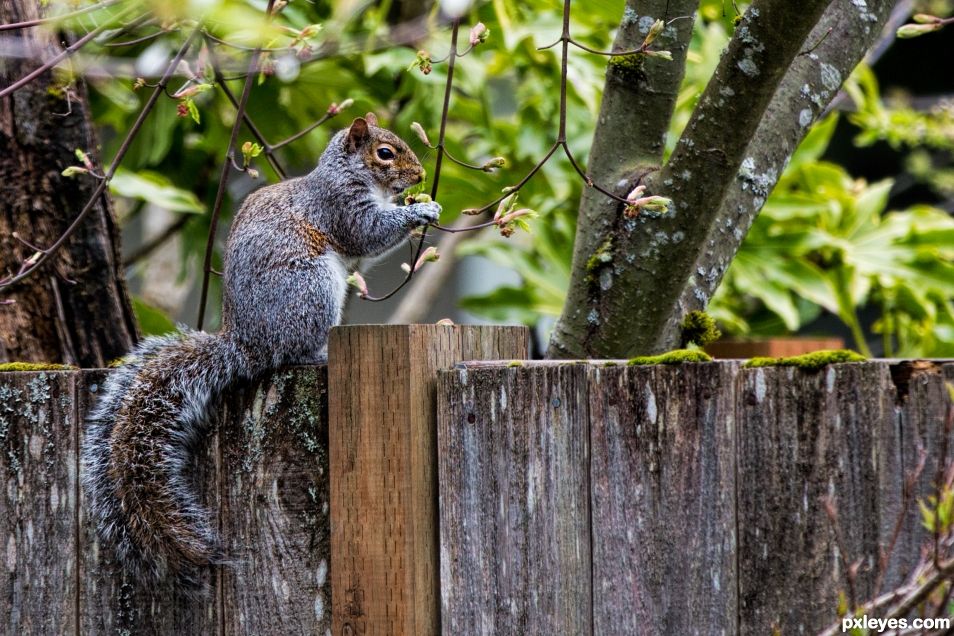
{"x": 431, "y": 280}
{"x": 650, "y": 259}
{"x": 639, "y": 97}
{"x": 40, "y": 257}
{"x": 224, "y": 177}
{"x": 808, "y": 87}
{"x": 62, "y": 55}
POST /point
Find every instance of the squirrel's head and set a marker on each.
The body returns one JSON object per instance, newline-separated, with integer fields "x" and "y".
{"x": 389, "y": 159}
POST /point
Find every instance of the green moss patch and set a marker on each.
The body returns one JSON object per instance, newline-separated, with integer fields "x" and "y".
{"x": 699, "y": 328}
{"x": 629, "y": 67}
{"x": 676, "y": 356}
{"x": 35, "y": 366}
{"x": 814, "y": 361}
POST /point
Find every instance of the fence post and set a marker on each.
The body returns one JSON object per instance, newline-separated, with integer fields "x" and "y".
{"x": 382, "y": 430}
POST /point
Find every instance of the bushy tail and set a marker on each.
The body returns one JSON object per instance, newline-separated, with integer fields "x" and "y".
{"x": 139, "y": 445}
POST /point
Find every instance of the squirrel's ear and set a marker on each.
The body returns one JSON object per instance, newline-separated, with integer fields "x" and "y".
{"x": 372, "y": 119}
{"x": 357, "y": 134}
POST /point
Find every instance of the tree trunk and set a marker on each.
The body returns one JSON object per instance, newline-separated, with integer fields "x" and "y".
{"x": 634, "y": 279}
{"x": 74, "y": 309}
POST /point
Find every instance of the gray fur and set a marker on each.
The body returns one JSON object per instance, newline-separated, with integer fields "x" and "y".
{"x": 287, "y": 255}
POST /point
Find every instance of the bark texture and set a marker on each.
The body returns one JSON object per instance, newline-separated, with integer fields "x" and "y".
{"x": 639, "y": 97}
{"x": 752, "y": 110}
{"x": 74, "y": 309}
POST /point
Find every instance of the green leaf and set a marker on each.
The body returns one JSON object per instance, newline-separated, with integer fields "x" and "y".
{"x": 193, "y": 109}
{"x": 156, "y": 189}
{"x": 872, "y": 201}
{"x": 152, "y": 320}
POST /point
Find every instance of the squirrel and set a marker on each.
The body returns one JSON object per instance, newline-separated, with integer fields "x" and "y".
{"x": 284, "y": 289}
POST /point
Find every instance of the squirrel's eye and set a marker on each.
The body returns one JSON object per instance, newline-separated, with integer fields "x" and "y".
{"x": 385, "y": 154}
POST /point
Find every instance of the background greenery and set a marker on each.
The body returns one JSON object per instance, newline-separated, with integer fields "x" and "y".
{"x": 831, "y": 252}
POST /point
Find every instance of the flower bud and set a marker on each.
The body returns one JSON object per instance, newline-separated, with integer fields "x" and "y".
{"x": 357, "y": 281}
{"x": 664, "y": 55}
{"x": 492, "y": 164}
{"x": 478, "y": 34}
{"x": 914, "y": 30}
{"x": 421, "y": 133}
{"x": 654, "y": 32}
{"x": 72, "y": 171}
{"x": 636, "y": 193}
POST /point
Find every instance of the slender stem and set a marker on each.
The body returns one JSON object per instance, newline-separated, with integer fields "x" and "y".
{"x": 303, "y": 132}
{"x": 139, "y": 40}
{"x": 462, "y": 163}
{"x": 586, "y": 178}
{"x": 149, "y": 247}
{"x": 268, "y": 148}
{"x": 224, "y": 178}
{"x": 242, "y": 47}
{"x": 445, "y": 110}
{"x": 62, "y": 55}
{"x": 101, "y": 188}
{"x": 565, "y": 37}
{"x": 54, "y": 18}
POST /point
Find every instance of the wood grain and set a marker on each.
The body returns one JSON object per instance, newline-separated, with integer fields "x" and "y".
{"x": 663, "y": 484}
{"x": 38, "y": 460}
{"x": 574, "y": 498}
{"x": 804, "y": 437}
{"x": 274, "y": 505}
{"x": 515, "y": 521}
{"x": 383, "y": 467}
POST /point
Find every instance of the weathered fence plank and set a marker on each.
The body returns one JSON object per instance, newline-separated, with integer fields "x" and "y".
{"x": 38, "y": 507}
{"x": 383, "y": 468}
{"x": 804, "y": 439}
{"x": 263, "y": 472}
{"x": 515, "y": 521}
{"x": 722, "y": 500}
{"x": 578, "y": 498}
{"x": 663, "y": 485}
{"x": 273, "y": 475}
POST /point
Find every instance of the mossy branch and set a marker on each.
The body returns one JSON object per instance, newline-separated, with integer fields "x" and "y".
{"x": 638, "y": 101}
{"x": 844, "y": 33}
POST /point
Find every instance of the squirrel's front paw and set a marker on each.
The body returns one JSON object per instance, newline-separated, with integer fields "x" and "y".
{"x": 425, "y": 213}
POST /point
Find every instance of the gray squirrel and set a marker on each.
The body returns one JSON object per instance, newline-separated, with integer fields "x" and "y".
{"x": 284, "y": 287}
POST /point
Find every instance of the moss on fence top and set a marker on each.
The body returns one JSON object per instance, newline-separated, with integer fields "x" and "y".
{"x": 814, "y": 361}
{"x": 672, "y": 357}
{"x": 35, "y": 366}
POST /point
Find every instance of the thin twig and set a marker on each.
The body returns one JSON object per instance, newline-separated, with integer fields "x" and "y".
{"x": 62, "y": 55}
{"x": 445, "y": 110}
{"x": 35, "y": 261}
{"x": 242, "y": 47}
{"x": 151, "y": 246}
{"x": 139, "y": 40}
{"x": 55, "y": 18}
{"x": 259, "y": 136}
{"x": 298, "y": 135}
{"x": 224, "y": 178}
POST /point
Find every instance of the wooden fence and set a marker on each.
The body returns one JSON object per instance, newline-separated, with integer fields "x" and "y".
{"x": 571, "y": 498}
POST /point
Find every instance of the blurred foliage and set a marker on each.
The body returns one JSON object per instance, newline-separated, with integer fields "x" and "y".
{"x": 824, "y": 242}
{"x": 505, "y": 102}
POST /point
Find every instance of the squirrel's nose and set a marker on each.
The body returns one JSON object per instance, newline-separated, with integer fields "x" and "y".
{"x": 419, "y": 177}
